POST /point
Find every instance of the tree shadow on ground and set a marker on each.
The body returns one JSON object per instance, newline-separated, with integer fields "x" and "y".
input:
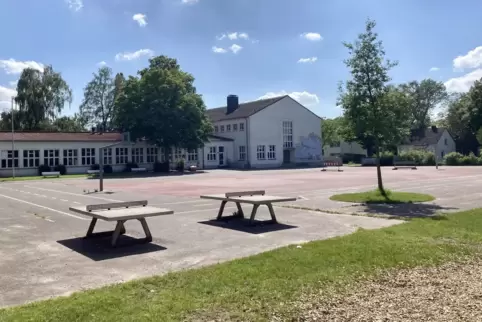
{"x": 407, "y": 210}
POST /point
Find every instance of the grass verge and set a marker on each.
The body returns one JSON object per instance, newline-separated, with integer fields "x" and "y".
{"x": 28, "y": 178}
{"x": 250, "y": 289}
{"x": 375, "y": 196}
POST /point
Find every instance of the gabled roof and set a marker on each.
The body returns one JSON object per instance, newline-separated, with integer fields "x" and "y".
{"x": 425, "y": 137}
{"x": 243, "y": 111}
{"x": 61, "y": 137}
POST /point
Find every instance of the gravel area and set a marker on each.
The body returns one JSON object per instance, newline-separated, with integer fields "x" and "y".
{"x": 451, "y": 292}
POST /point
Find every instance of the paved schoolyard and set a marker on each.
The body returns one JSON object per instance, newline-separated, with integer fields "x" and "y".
{"x": 43, "y": 254}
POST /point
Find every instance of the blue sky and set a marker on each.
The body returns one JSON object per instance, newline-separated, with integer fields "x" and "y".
{"x": 269, "y": 47}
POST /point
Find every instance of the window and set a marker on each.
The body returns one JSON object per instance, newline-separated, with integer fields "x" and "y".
{"x": 212, "y": 153}
{"x": 242, "y": 153}
{"x": 235, "y": 127}
{"x": 178, "y": 154}
{"x": 287, "y": 134}
{"x": 51, "y": 157}
{"x": 70, "y": 157}
{"x": 138, "y": 155}
{"x": 216, "y": 129}
{"x": 228, "y": 128}
{"x": 152, "y": 155}
{"x": 121, "y": 155}
{"x": 272, "y": 152}
{"x": 9, "y": 158}
{"x": 261, "y": 152}
{"x": 31, "y": 158}
{"x": 107, "y": 156}
{"x": 222, "y": 128}
{"x": 192, "y": 155}
{"x": 446, "y": 142}
{"x": 162, "y": 154}
{"x": 442, "y": 154}
{"x": 241, "y": 126}
{"x": 88, "y": 156}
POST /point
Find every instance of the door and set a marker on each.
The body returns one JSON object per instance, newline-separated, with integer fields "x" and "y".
{"x": 286, "y": 156}
{"x": 221, "y": 155}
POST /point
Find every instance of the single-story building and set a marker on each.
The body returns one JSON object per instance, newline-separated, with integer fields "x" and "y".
{"x": 433, "y": 139}
{"x": 351, "y": 151}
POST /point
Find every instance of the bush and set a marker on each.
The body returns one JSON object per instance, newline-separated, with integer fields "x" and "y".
{"x": 453, "y": 158}
{"x": 386, "y": 159}
{"x": 420, "y": 157}
{"x": 130, "y": 165}
{"x": 43, "y": 168}
{"x": 95, "y": 167}
{"x": 470, "y": 159}
{"x": 180, "y": 165}
{"x": 61, "y": 168}
{"x": 108, "y": 168}
{"x": 161, "y": 167}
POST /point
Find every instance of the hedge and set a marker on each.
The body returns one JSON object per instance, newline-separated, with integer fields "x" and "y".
{"x": 428, "y": 158}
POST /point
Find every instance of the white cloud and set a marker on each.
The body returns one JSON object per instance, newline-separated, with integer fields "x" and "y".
{"x": 6, "y": 97}
{"x": 305, "y": 98}
{"x": 312, "y": 36}
{"x": 307, "y": 60}
{"x": 190, "y": 1}
{"x": 13, "y": 83}
{"x": 235, "y": 48}
{"x": 463, "y": 83}
{"x": 133, "y": 55}
{"x": 75, "y": 5}
{"x": 473, "y": 59}
{"x": 219, "y": 50}
{"x": 140, "y": 19}
{"x": 434, "y": 69}
{"x": 11, "y": 66}
{"x": 234, "y": 36}
{"x": 102, "y": 64}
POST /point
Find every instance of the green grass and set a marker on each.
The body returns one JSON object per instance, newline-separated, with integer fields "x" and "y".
{"x": 390, "y": 197}
{"x": 250, "y": 289}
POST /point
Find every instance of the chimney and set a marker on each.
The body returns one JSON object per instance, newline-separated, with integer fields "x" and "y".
{"x": 434, "y": 129}
{"x": 232, "y": 103}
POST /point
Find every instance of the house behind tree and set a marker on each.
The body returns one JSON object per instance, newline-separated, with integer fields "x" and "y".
{"x": 434, "y": 139}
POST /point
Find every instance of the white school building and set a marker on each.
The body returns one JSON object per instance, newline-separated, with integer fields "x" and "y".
{"x": 260, "y": 134}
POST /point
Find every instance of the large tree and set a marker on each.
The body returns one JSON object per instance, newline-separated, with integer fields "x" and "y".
{"x": 424, "y": 96}
{"x": 162, "y": 106}
{"x": 373, "y": 109}
{"x": 41, "y": 96}
{"x": 330, "y": 129}
{"x": 97, "y": 107}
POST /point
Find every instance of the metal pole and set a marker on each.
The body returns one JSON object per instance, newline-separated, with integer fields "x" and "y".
{"x": 13, "y": 139}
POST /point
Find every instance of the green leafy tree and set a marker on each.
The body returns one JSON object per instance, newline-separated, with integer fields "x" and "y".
{"x": 97, "y": 107}
{"x": 162, "y": 106}
{"x": 41, "y": 97}
{"x": 424, "y": 97}
{"x": 479, "y": 136}
{"x": 69, "y": 124}
{"x": 330, "y": 129}
{"x": 373, "y": 109}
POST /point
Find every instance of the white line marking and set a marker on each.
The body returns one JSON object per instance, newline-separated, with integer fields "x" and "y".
{"x": 44, "y": 207}
{"x": 73, "y": 194}
{"x": 64, "y": 200}
{"x": 77, "y": 202}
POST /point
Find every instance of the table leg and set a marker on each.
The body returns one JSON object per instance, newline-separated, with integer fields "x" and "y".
{"x": 240, "y": 210}
{"x": 117, "y": 232}
{"x": 253, "y": 214}
{"x": 221, "y": 209}
{"x": 91, "y": 227}
{"x": 271, "y": 212}
{"x": 146, "y": 229}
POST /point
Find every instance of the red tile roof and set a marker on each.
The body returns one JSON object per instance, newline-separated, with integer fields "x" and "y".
{"x": 61, "y": 137}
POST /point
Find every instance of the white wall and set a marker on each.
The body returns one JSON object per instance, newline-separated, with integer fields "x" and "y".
{"x": 238, "y": 136}
{"x": 266, "y": 128}
{"x": 345, "y": 148}
{"x": 228, "y": 153}
{"x": 79, "y": 168}
{"x": 445, "y": 145}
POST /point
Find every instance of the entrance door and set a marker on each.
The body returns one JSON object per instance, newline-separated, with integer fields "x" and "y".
{"x": 286, "y": 156}
{"x": 221, "y": 155}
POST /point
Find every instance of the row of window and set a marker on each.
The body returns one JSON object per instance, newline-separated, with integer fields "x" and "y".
{"x": 70, "y": 157}
{"x": 229, "y": 128}
{"x": 261, "y": 152}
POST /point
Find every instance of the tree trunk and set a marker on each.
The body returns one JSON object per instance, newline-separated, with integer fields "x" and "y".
{"x": 379, "y": 172}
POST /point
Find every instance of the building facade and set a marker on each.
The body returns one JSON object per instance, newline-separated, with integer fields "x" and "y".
{"x": 433, "y": 139}
{"x": 266, "y": 133}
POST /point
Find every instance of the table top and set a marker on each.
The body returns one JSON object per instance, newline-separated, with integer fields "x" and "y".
{"x": 123, "y": 213}
{"x": 250, "y": 199}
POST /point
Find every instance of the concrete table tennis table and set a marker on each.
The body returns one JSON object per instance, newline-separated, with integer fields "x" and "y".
{"x": 255, "y": 198}
{"x": 121, "y": 212}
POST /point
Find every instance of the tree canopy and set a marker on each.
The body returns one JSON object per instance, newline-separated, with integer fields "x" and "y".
{"x": 373, "y": 109}
{"x": 161, "y": 105}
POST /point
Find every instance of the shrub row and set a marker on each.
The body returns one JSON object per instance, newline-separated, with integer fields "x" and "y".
{"x": 428, "y": 158}
{"x": 455, "y": 158}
